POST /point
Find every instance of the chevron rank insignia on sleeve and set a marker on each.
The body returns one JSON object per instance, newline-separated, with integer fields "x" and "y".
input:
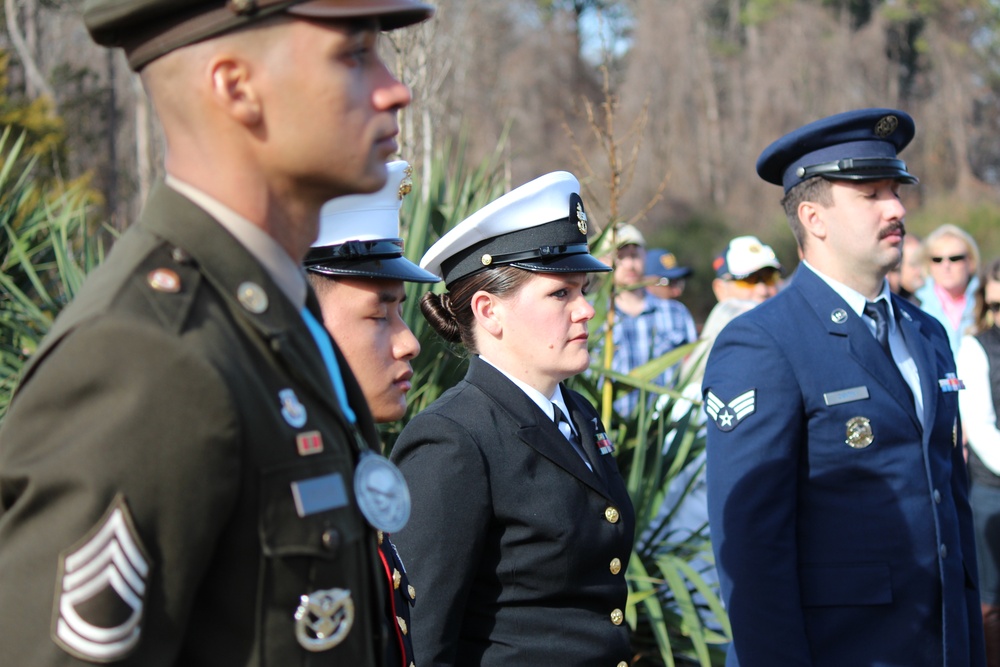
{"x": 103, "y": 580}
{"x": 727, "y": 415}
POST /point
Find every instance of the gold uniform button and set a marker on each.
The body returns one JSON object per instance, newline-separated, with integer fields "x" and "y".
{"x": 611, "y": 514}
{"x": 402, "y": 624}
{"x": 617, "y": 616}
{"x": 616, "y": 566}
{"x": 622, "y": 664}
{"x": 381, "y": 537}
{"x": 412, "y": 591}
{"x": 397, "y": 578}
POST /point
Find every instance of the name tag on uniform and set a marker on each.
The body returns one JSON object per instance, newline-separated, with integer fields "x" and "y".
{"x": 319, "y": 494}
{"x": 846, "y": 395}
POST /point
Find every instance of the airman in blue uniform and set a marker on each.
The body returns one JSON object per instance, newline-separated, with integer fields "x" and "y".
{"x": 837, "y": 493}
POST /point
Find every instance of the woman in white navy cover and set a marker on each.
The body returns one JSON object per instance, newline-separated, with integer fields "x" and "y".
{"x": 520, "y": 530}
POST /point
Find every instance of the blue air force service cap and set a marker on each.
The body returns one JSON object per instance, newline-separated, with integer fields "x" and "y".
{"x": 359, "y": 234}
{"x": 857, "y": 145}
{"x": 540, "y": 226}
{"x": 148, "y": 29}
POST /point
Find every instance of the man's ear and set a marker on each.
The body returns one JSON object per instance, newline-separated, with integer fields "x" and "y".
{"x": 813, "y": 219}
{"x": 487, "y": 313}
{"x": 233, "y": 88}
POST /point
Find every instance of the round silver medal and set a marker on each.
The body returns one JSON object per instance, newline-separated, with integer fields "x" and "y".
{"x": 382, "y": 493}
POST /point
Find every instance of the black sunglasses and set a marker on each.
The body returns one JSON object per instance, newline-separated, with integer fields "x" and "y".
{"x": 993, "y": 307}
{"x": 954, "y": 259}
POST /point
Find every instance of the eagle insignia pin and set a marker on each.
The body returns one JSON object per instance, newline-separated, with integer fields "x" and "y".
{"x": 323, "y": 619}
{"x": 859, "y": 432}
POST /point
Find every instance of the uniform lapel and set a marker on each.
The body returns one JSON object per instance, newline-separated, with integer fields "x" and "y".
{"x": 536, "y": 429}
{"x": 924, "y": 357}
{"x": 587, "y": 428}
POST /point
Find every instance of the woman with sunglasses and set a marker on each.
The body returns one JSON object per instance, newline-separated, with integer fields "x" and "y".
{"x": 978, "y": 365}
{"x": 952, "y": 261}
{"x": 521, "y": 526}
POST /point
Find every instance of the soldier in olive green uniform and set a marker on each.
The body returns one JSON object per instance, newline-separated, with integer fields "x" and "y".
{"x": 187, "y": 472}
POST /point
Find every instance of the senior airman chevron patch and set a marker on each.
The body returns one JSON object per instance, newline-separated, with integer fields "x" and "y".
{"x": 728, "y": 415}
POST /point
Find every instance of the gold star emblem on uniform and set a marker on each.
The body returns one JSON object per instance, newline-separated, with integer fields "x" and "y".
{"x": 402, "y": 624}
{"x": 397, "y": 578}
{"x": 412, "y": 591}
{"x": 859, "y": 432}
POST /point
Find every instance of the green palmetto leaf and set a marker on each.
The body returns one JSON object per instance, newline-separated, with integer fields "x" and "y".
{"x": 46, "y": 250}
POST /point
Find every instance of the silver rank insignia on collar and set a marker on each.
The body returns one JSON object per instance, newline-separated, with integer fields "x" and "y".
{"x": 323, "y": 619}
{"x": 728, "y": 415}
{"x": 100, "y": 577}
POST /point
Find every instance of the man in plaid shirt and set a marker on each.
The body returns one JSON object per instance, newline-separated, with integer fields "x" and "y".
{"x": 645, "y": 326}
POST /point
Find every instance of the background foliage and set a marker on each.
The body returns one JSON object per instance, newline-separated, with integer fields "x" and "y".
{"x": 713, "y": 82}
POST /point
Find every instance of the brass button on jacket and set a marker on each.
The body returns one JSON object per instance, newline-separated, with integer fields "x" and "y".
{"x": 611, "y": 514}
{"x": 616, "y": 565}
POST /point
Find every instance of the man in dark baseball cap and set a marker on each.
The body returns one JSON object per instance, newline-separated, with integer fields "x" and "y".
{"x": 189, "y": 470}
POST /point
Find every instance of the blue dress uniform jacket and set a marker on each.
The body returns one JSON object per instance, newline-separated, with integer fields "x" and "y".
{"x": 831, "y": 554}
{"x": 164, "y": 401}
{"x": 516, "y": 549}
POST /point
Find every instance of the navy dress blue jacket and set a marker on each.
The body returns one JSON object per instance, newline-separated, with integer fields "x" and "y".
{"x": 841, "y": 527}
{"x": 517, "y": 550}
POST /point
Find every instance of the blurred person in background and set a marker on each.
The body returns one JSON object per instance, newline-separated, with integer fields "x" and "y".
{"x": 522, "y": 526}
{"x": 978, "y": 363}
{"x": 665, "y": 278}
{"x": 908, "y": 277}
{"x": 645, "y": 326}
{"x": 952, "y": 259}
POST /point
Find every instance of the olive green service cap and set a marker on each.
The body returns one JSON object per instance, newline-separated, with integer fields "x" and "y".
{"x": 148, "y": 29}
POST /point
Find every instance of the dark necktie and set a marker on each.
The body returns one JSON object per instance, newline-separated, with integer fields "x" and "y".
{"x": 567, "y": 430}
{"x": 879, "y": 311}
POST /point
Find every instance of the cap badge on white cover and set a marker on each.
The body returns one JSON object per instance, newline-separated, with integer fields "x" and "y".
{"x": 406, "y": 185}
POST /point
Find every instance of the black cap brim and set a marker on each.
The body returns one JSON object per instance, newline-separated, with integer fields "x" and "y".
{"x": 578, "y": 263}
{"x": 386, "y": 268}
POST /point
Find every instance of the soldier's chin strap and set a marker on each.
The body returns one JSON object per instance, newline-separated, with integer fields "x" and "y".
{"x": 863, "y": 167}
